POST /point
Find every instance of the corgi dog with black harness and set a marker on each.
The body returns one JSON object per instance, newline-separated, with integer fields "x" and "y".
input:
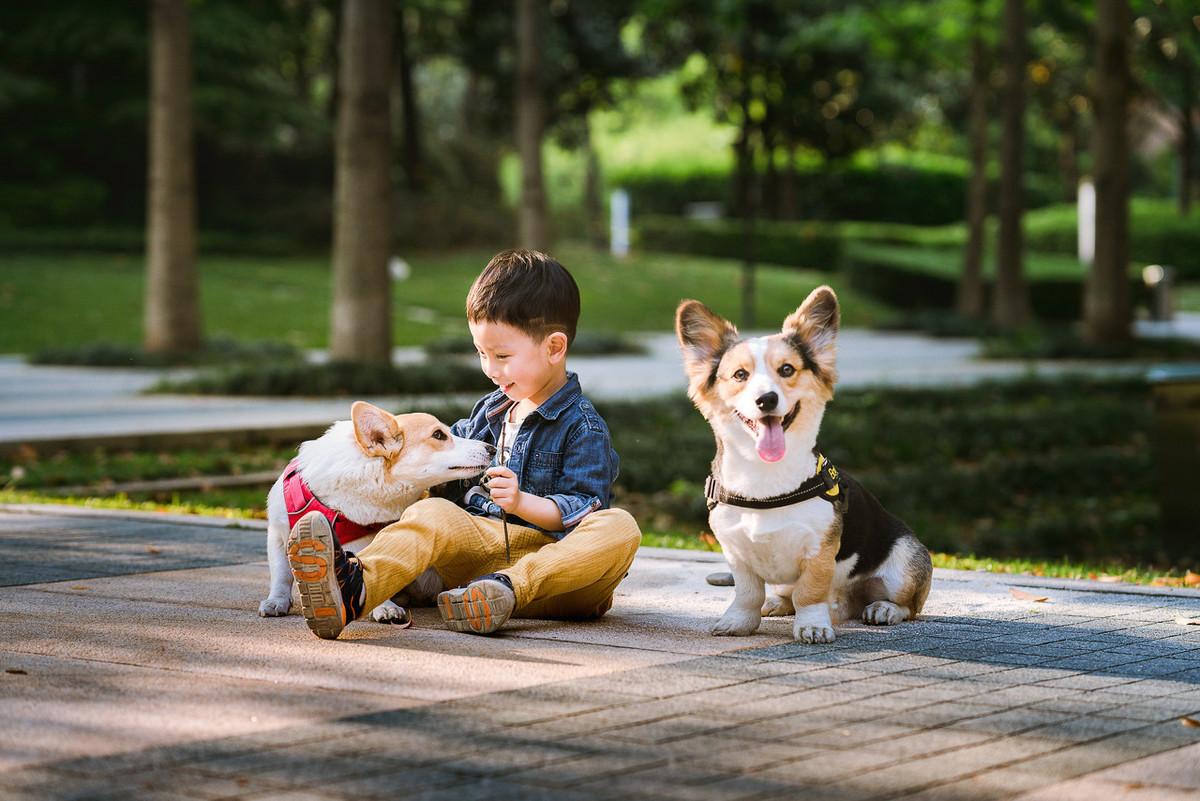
{"x": 801, "y": 537}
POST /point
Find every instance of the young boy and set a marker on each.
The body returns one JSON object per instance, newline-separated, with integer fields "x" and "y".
{"x": 545, "y": 500}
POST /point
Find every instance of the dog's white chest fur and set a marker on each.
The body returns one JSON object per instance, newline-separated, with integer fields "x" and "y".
{"x": 774, "y": 543}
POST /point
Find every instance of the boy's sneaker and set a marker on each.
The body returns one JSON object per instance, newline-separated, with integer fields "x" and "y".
{"x": 330, "y": 582}
{"x": 481, "y": 607}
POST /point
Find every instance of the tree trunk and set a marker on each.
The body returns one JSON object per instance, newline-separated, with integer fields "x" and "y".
{"x": 970, "y": 286}
{"x": 789, "y": 207}
{"x": 749, "y": 206}
{"x": 172, "y": 300}
{"x": 361, "y": 329}
{"x": 1010, "y": 300}
{"x": 593, "y": 200}
{"x": 770, "y": 192}
{"x": 1068, "y": 161}
{"x": 533, "y": 222}
{"x": 1107, "y": 312}
{"x": 411, "y": 153}
{"x": 1187, "y": 144}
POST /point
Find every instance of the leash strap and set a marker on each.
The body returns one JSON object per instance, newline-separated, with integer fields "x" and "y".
{"x": 824, "y": 484}
{"x": 504, "y": 514}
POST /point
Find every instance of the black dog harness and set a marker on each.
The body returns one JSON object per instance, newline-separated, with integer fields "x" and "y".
{"x": 824, "y": 484}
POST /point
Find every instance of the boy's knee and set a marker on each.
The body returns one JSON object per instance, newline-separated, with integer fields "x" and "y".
{"x": 432, "y": 508}
{"x": 624, "y": 528}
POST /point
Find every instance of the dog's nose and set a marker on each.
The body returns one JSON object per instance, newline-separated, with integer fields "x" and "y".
{"x": 767, "y": 401}
{"x": 490, "y": 449}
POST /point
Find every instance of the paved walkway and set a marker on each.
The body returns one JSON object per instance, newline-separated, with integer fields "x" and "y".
{"x": 54, "y": 403}
{"x": 133, "y": 665}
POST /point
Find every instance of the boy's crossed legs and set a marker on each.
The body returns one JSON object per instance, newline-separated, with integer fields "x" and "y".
{"x": 571, "y": 578}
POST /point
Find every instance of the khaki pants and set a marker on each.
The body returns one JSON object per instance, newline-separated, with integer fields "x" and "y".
{"x": 574, "y": 577}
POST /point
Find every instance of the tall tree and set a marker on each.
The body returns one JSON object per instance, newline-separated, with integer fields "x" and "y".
{"x": 361, "y": 324}
{"x": 172, "y": 301}
{"x": 1010, "y": 298}
{"x": 1107, "y": 313}
{"x": 533, "y": 219}
{"x": 970, "y": 285}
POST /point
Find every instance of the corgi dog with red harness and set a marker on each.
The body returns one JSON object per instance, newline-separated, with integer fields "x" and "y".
{"x": 800, "y": 537}
{"x": 362, "y": 474}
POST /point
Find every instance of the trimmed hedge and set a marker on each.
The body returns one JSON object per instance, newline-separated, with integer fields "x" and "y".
{"x": 927, "y": 278}
{"x": 813, "y": 245}
{"x": 882, "y": 192}
{"x": 334, "y": 378}
{"x": 133, "y": 240}
{"x": 1158, "y": 234}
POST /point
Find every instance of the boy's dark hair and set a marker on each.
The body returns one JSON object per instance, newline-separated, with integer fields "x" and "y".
{"x": 527, "y": 290}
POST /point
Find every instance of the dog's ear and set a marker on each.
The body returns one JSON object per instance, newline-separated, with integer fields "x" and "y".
{"x": 814, "y": 326}
{"x": 703, "y": 336}
{"x": 376, "y": 431}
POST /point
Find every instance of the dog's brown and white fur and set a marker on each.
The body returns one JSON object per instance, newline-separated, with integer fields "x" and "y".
{"x": 371, "y": 468}
{"x": 764, "y": 398}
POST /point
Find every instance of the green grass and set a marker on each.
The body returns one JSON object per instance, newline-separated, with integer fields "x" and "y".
{"x": 75, "y": 299}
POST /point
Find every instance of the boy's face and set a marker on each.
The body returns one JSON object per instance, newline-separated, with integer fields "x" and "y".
{"x": 523, "y": 367}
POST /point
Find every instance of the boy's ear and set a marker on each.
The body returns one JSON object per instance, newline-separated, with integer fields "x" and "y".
{"x": 814, "y": 327}
{"x": 556, "y": 346}
{"x": 704, "y": 336}
{"x": 376, "y": 431}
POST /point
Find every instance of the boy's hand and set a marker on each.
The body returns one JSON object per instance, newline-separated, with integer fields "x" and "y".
{"x": 502, "y": 484}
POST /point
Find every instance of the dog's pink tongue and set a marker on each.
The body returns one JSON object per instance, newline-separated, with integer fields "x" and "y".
{"x": 770, "y": 441}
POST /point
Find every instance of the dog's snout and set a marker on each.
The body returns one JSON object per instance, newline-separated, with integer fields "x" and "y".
{"x": 767, "y": 401}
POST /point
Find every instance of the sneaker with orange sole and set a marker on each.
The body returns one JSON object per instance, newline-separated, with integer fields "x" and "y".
{"x": 481, "y": 607}
{"x": 330, "y": 581}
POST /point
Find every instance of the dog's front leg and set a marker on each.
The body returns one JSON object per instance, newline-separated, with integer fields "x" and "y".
{"x": 810, "y": 596}
{"x": 745, "y": 613}
{"x": 279, "y": 600}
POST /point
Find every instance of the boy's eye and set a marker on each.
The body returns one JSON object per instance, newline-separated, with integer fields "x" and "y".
{"x": 439, "y": 434}
{"x": 787, "y": 371}
{"x": 740, "y": 375}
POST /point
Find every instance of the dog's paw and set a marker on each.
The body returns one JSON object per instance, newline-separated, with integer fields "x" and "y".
{"x": 813, "y": 634}
{"x": 778, "y": 606}
{"x": 883, "y": 613}
{"x": 275, "y": 607}
{"x": 736, "y": 625}
{"x": 391, "y": 613}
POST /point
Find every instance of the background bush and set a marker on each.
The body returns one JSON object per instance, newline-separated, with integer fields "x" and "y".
{"x": 1045, "y": 469}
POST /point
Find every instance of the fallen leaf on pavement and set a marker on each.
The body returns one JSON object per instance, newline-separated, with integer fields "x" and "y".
{"x": 1192, "y": 579}
{"x": 1107, "y": 579}
{"x": 1191, "y": 723}
{"x": 1167, "y": 581}
{"x": 1021, "y": 595}
{"x": 153, "y": 549}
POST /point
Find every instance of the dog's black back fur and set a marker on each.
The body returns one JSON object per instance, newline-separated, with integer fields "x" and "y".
{"x": 868, "y": 529}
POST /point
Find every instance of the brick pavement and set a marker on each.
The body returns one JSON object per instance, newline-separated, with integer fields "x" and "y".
{"x": 986, "y": 697}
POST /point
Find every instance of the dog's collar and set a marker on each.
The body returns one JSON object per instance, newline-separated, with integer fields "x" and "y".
{"x": 824, "y": 484}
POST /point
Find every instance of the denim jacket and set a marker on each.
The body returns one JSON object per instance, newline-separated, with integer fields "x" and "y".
{"x": 561, "y": 452}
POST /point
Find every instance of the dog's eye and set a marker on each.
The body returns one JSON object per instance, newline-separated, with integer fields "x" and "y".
{"x": 439, "y": 434}
{"x": 787, "y": 371}
{"x": 740, "y": 375}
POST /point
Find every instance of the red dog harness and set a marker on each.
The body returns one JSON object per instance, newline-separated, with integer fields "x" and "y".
{"x": 299, "y": 500}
